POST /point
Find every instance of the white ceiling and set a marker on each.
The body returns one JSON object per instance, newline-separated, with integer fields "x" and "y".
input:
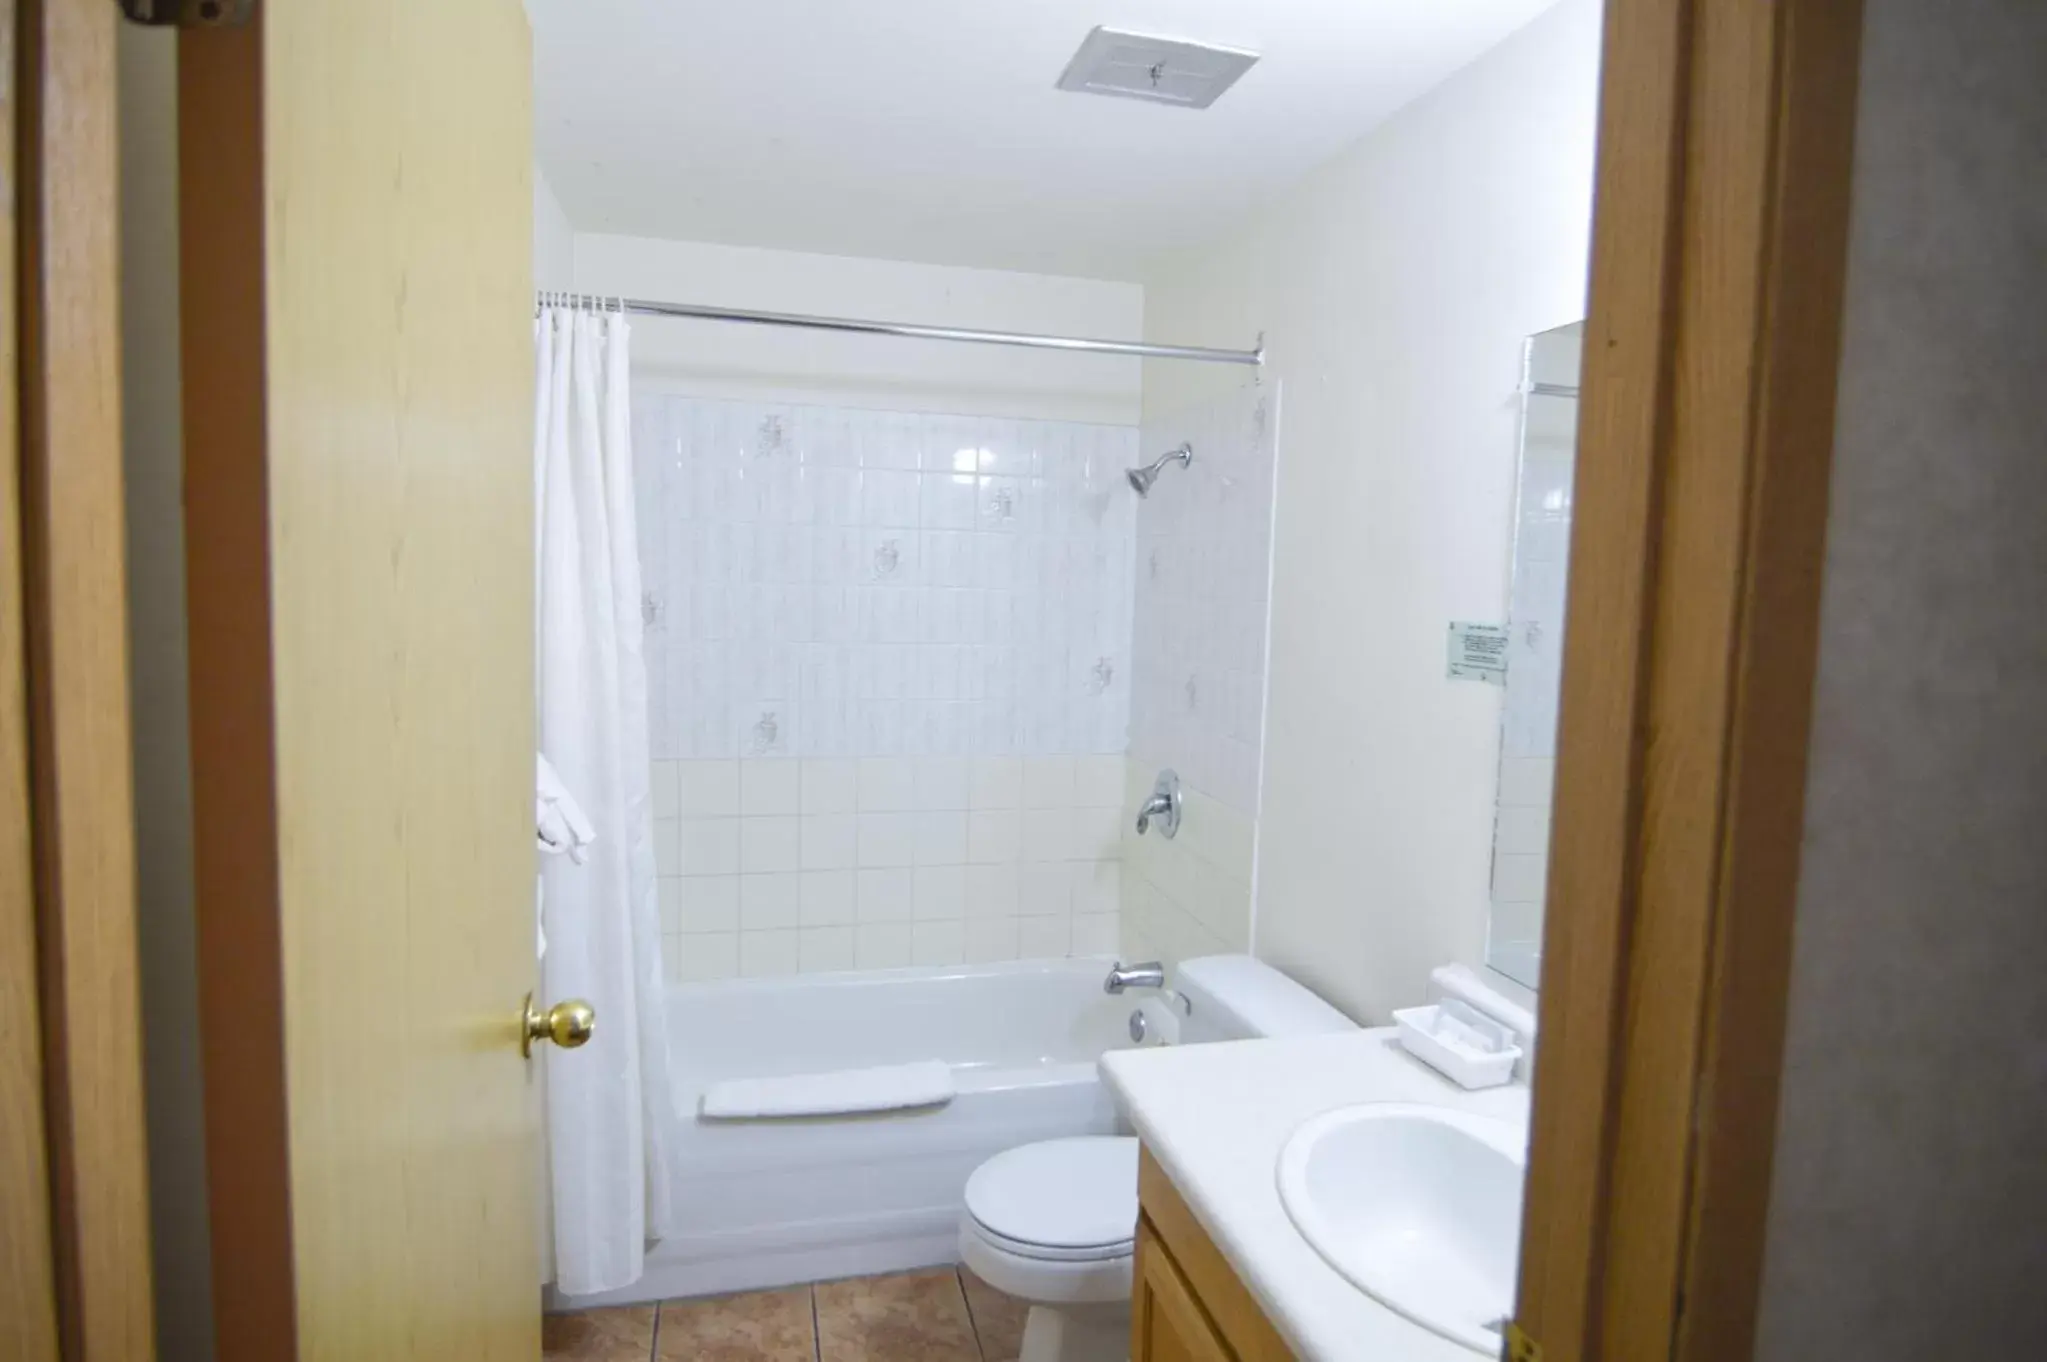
{"x": 931, "y": 130}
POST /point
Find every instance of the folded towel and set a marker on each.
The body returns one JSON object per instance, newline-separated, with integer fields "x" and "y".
{"x": 559, "y": 821}
{"x": 891, "y": 1087}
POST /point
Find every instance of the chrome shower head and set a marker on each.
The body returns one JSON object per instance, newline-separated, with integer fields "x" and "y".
{"x": 1141, "y": 479}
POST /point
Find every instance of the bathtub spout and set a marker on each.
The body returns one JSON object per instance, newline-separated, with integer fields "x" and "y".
{"x": 1150, "y": 974}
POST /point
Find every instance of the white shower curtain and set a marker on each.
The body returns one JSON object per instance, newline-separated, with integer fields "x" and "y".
{"x": 609, "y": 1104}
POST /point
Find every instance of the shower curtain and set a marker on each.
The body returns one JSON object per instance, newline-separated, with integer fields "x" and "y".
{"x": 609, "y": 1105}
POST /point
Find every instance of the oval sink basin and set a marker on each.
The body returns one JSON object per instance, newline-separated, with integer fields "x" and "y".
{"x": 1418, "y": 1207}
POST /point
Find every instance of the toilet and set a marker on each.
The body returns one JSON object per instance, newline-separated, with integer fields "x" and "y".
{"x": 1054, "y": 1222}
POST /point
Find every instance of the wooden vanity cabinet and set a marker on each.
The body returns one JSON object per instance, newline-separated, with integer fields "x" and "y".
{"x": 1186, "y": 1302}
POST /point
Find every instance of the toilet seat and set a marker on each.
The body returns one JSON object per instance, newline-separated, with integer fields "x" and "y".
{"x": 1069, "y": 1200}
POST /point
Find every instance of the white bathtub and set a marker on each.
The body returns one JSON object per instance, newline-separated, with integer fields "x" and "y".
{"x": 772, "y": 1203}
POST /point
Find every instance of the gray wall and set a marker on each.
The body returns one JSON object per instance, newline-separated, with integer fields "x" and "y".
{"x": 1908, "y": 1216}
{"x": 156, "y": 603}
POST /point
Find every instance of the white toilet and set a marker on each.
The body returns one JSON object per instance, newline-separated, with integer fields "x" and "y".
{"x": 1053, "y": 1223}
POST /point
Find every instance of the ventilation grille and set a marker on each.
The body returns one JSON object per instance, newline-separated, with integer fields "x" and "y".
{"x": 1162, "y": 70}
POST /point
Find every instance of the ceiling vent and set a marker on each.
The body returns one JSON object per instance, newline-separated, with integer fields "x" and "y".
{"x": 1162, "y": 70}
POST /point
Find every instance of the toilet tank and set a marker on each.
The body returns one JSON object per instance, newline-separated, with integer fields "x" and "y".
{"x": 1233, "y": 997}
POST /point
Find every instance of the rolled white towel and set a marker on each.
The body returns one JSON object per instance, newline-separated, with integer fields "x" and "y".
{"x": 561, "y": 826}
{"x": 843, "y": 1092}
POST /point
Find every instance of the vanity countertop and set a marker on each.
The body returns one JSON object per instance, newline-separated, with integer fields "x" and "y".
{"x": 1216, "y": 1116}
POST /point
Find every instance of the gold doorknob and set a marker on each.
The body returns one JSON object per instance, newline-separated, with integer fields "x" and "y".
{"x": 567, "y": 1024}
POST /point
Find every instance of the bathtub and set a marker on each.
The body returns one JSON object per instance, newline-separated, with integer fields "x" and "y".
{"x": 765, "y": 1204}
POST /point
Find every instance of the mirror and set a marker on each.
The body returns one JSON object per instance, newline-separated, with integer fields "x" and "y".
{"x": 1535, "y": 624}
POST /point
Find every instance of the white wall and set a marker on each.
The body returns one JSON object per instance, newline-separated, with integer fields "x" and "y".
{"x": 1908, "y": 1200}
{"x": 554, "y": 240}
{"x": 1395, "y": 286}
{"x": 711, "y": 359}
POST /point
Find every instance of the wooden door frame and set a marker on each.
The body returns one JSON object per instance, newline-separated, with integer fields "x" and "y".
{"x": 73, "y": 1031}
{"x": 1720, "y": 234}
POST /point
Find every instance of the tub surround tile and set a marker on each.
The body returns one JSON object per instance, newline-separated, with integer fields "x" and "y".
{"x": 824, "y": 949}
{"x": 887, "y": 895}
{"x": 769, "y": 954}
{"x": 941, "y": 838}
{"x": 995, "y": 783}
{"x": 767, "y": 901}
{"x": 993, "y": 836}
{"x": 710, "y": 903}
{"x": 663, "y": 789}
{"x": 943, "y": 784}
{"x": 916, "y": 1317}
{"x": 830, "y": 785}
{"x": 1095, "y": 933}
{"x": 707, "y": 789}
{"x": 625, "y": 1334}
{"x": 888, "y": 839}
{"x": 989, "y": 939}
{"x": 667, "y": 847}
{"x": 702, "y": 958}
{"x": 769, "y": 845}
{"x": 829, "y": 898}
{"x": 882, "y": 945}
{"x": 1045, "y": 890}
{"x": 1097, "y": 784}
{"x": 992, "y": 890}
{"x": 1048, "y": 782}
{"x": 938, "y": 943}
{"x": 1043, "y": 938}
{"x": 887, "y": 785}
{"x": 939, "y": 893}
{"x": 709, "y": 846}
{"x": 829, "y": 841}
{"x": 760, "y": 1326}
{"x": 773, "y": 786}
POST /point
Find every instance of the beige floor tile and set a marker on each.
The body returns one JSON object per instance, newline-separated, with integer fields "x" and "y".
{"x": 625, "y": 1334}
{"x": 760, "y": 1326}
{"x": 998, "y": 1318}
{"x": 914, "y": 1317}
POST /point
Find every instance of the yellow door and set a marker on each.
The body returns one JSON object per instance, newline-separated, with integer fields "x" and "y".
{"x": 355, "y": 219}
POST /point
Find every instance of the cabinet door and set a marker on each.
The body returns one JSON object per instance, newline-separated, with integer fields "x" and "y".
{"x": 1167, "y": 1324}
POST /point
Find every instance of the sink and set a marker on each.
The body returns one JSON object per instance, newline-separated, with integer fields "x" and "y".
{"x": 1418, "y": 1207}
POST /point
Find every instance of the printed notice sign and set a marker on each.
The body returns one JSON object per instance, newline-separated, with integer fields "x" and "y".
{"x": 1478, "y": 652}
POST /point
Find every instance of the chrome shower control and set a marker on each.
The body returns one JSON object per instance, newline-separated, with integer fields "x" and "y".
{"x": 1164, "y": 805}
{"x": 1138, "y": 1028}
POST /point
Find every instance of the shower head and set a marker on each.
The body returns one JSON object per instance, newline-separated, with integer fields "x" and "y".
{"x": 1141, "y": 479}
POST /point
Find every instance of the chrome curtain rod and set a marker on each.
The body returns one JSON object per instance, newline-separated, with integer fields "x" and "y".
{"x": 917, "y": 331}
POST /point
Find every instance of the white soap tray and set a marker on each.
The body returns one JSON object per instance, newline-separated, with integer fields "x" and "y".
{"x": 1460, "y": 1042}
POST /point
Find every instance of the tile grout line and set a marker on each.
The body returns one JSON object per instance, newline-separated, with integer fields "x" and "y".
{"x": 973, "y": 1325}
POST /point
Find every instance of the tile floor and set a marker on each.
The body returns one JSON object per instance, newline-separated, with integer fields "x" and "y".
{"x": 940, "y": 1315}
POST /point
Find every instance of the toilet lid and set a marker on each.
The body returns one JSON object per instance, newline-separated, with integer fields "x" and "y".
{"x": 1076, "y": 1193}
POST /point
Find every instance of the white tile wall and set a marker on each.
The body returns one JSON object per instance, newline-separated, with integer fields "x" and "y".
{"x": 914, "y": 870}
{"x": 829, "y": 582}
{"x": 889, "y": 665}
{"x": 1203, "y": 587}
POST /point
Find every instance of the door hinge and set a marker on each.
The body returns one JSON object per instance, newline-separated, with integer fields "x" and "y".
{"x": 189, "y": 13}
{"x": 1520, "y": 1346}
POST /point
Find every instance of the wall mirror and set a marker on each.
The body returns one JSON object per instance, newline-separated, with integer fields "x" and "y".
{"x": 1535, "y": 623}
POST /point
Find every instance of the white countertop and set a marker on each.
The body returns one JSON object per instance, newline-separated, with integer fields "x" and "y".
{"x": 1215, "y": 1116}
